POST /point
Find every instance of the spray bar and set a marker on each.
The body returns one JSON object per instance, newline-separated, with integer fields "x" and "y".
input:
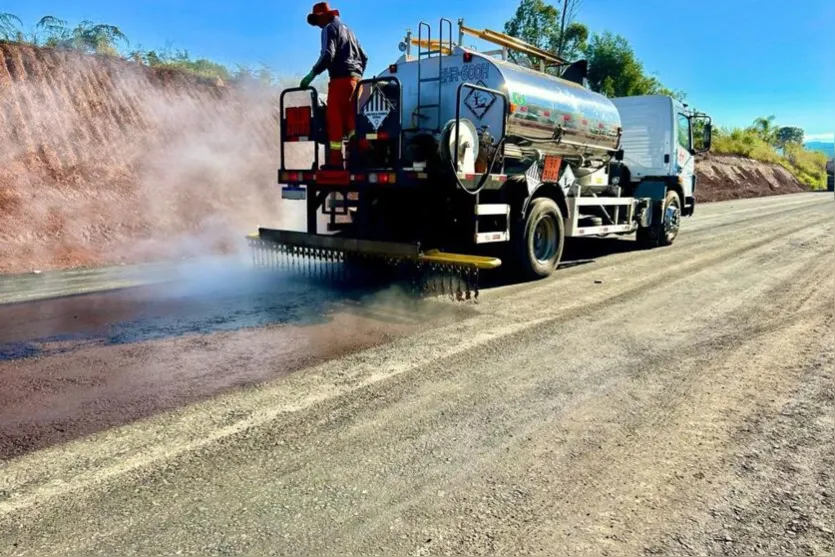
{"x": 337, "y": 243}
{"x": 430, "y": 273}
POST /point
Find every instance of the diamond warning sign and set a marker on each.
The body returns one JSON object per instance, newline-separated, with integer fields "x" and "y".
{"x": 479, "y": 102}
{"x": 376, "y": 108}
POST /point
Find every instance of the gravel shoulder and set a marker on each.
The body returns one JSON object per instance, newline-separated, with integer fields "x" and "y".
{"x": 677, "y": 401}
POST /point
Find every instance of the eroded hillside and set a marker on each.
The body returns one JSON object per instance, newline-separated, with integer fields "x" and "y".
{"x": 105, "y": 160}
{"x": 724, "y": 177}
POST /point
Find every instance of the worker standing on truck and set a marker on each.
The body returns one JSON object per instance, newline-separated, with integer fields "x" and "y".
{"x": 345, "y": 61}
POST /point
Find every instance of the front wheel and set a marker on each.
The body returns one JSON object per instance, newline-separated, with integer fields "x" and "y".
{"x": 663, "y": 233}
{"x": 537, "y": 241}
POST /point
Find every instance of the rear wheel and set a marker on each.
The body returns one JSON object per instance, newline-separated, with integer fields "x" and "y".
{"x": 537, "y": 241}
{"x": 663, "y": 233}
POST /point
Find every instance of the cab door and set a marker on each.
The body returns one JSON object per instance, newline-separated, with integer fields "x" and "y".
{"x": 685, "y": 165}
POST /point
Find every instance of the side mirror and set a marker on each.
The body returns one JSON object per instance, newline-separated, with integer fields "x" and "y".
{"x": 708, "y": 137}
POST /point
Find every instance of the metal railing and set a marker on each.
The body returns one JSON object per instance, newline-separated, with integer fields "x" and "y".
{"x": 315, "y": 124}
{"x": 427, "y": 53}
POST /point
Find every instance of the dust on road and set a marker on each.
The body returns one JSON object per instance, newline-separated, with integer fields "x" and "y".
{"x": 677, "y": 401}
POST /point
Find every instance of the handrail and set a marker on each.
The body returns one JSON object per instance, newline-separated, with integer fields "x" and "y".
{"x": 314, "y": 106}
{"x": 441, "y": 63}
{"x": 507, "y": 41}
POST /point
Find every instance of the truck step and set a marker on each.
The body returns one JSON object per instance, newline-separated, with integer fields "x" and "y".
{"x": 492, "y": 209}
{"x": 491, "y": 237}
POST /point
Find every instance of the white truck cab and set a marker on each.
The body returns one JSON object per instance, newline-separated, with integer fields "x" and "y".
{"x": 657, "y": 143}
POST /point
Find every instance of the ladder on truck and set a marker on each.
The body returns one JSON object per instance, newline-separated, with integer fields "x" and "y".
{"x": 439, "y": 49}
{"x": 428, "y": 53}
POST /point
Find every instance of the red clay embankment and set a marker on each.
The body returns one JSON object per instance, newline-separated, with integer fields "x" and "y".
{"x": 105, "y": 160}
{"x": 726, "y": 177}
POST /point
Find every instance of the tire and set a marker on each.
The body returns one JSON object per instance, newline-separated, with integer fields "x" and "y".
{"x": 663, "y": 233}
{"x": 537, "y": 241}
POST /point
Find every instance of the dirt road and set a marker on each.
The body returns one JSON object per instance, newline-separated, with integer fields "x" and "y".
{"x": 678, "y": 401}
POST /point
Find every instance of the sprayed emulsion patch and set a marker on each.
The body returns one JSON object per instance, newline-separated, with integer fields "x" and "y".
{"x": 75, "y": 365}
{"x": 161, "y": 301}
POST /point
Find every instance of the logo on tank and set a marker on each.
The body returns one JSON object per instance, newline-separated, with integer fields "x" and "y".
{"x": 479, "y": 102}
{"x": 376, "y": 108}
{"x": 467, "y": 72}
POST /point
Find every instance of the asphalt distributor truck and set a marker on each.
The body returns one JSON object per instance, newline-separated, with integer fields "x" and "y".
{"x": 465, "y": 160}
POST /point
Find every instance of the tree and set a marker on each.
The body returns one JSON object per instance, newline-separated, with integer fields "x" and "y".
{"x": 765, "y": 128}
{"x": 10, "y": 27}
{"x": 539, "y": 24}
{"x": 573, "y": 35}
{"x": 573, "y": 41}
{"x": 97, "y": 38}
{"x": 789, "y": 134}
{"x": 615, "y": 71}
{"x": 51, "y": 31}
{"x": 87, "y": 36}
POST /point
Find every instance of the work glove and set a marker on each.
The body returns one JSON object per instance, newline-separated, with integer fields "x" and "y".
{"x": 307, "y": 80}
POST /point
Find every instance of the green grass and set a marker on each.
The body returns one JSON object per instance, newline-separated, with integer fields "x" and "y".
{"x": 809, "y": 166}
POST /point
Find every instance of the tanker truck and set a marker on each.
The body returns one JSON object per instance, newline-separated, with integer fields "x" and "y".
{"x": 465, "y": 160}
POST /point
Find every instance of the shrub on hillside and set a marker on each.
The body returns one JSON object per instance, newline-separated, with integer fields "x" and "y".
{"x": 745, "y": 142}
{"x": 756, "y": 143}
{"x": 181, "y": 60}
{"x": 809, "y": 166}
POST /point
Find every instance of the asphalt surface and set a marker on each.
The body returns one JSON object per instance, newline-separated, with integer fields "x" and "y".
{"x": 674, "y": 401}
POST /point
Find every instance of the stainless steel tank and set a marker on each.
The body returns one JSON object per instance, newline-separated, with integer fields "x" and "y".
{"x": 556, "y": 116}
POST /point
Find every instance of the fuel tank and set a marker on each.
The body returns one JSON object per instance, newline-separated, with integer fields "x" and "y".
{"x": 551, "y": 114}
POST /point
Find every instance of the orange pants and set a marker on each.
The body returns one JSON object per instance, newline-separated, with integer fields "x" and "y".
{"x": 342, "y": 120}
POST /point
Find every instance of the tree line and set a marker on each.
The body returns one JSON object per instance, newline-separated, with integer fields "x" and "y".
{"x": 108, "y": 40}
{"x": 614, "y": 68}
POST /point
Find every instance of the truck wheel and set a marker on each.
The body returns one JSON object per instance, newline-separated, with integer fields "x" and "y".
{"x": 663, "y": 233}
{"x": 537, "y": 241}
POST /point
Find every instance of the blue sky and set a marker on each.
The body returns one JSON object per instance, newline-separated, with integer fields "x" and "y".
{"x": 736, "y": 59}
